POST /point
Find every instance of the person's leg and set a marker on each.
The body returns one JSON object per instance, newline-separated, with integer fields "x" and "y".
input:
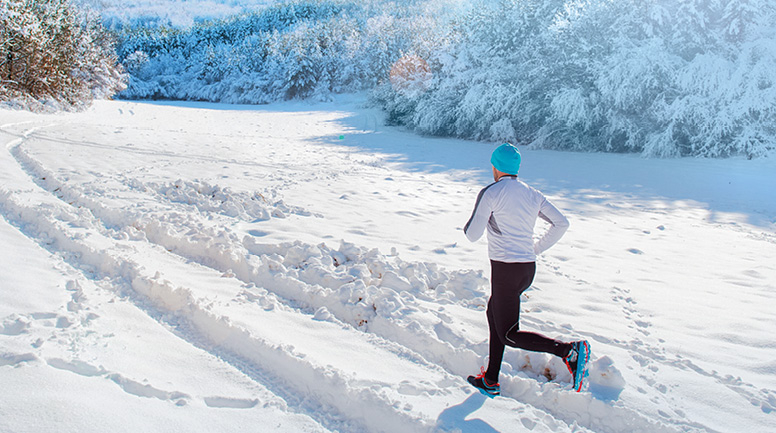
{"x": 504, "y": 308}
{"x": 508, "y": 282}
{"x": 537, "y": 343}
{"x": 496, "y": 352}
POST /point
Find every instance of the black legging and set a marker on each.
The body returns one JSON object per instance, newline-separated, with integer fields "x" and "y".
{"x": 508, "y": 281}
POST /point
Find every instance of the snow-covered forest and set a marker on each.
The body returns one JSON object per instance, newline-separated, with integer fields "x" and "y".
{"x": 302, "y": 49}
{"x": 664, "y": 78}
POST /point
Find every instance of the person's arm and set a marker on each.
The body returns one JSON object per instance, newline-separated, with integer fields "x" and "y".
{"x": 558, "y": 226}
{"x": 479, "y": 219}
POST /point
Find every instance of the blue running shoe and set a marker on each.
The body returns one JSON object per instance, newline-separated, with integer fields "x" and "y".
{"x": 576, "y": 361}
{"x": 483, "y": 386}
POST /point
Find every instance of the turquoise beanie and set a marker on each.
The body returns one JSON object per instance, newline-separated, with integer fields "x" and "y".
{"x": 506, "y": 159}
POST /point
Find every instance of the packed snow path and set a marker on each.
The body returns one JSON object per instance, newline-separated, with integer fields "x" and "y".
{"x": 301, "y": 268}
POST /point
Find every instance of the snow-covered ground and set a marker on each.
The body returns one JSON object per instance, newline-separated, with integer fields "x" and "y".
{"x": 294, "y": 267}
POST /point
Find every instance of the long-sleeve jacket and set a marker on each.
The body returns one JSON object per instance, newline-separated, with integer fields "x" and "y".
{"x": 509, "y": 208}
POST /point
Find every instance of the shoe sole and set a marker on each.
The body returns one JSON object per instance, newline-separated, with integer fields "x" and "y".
{"x": 487, "y": 394}
{"x": 583, "y": 372}
{"x": 483, "y": 391}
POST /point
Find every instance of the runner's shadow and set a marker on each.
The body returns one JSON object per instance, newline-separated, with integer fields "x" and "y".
{"x": 454, "y": 418}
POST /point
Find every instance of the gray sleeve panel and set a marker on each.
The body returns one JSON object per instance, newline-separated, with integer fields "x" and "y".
{"x": 544, "y": 217}
{"x": 494, "y": 225}
{"x": 476, "y": 207}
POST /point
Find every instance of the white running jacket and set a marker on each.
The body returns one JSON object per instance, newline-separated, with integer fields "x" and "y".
{"x": 509, "y": 208}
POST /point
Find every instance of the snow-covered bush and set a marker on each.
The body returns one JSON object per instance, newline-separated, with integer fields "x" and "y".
{"x": 51, "y": 51}
{"x": 687, "y": 77}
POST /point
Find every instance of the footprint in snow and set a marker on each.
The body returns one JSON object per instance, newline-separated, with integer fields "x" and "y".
{"x": 14, "y": 325}
{"x": 78, "y": 367}
{"x": 14, "y": 359}
{"x": 143, "y": 390}
{"x": 230, "y": 403}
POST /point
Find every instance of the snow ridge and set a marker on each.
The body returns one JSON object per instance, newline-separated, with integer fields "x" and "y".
{"x": 363, "y": 406}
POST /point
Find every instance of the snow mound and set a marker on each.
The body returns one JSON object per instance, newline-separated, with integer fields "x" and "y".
{"x": 254, "y": 207}
{"x": 606, "y": 381}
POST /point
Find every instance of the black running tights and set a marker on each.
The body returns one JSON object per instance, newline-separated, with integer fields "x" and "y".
{"x": 508, "y": 281}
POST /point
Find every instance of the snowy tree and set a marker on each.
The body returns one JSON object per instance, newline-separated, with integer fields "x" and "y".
{"x": 51, "y": 50}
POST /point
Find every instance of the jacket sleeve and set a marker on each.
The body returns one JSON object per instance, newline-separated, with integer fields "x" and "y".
{"x": 558, "y": 226}
{"x": 479, "y": 219}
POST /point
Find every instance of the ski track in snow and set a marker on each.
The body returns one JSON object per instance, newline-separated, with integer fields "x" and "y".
{"x": 393, "y": 307}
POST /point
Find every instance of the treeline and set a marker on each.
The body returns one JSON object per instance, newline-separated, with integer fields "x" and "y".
{"x": 298, "y": 49}
{"x": 51, "y": 53}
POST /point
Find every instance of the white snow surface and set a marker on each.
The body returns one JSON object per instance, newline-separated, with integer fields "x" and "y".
{"x": 301, "y": 267}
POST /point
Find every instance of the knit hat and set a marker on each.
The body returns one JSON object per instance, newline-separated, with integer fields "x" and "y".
{"x": 506, "y": 159}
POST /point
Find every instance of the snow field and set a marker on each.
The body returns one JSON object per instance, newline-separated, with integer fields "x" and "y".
{"x": 67, "y": 226}
{"x": 236, "y": 272}
{"x": 309, "y": 282}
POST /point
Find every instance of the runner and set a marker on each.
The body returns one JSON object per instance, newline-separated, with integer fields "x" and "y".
{"x": 508, "y": 208}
